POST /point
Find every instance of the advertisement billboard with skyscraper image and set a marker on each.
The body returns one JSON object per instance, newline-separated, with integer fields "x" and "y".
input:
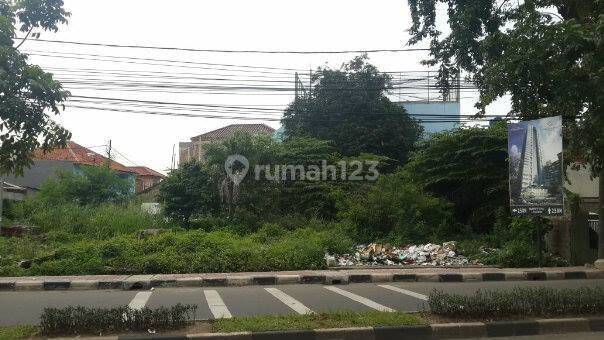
{"x": 536, "y": 177}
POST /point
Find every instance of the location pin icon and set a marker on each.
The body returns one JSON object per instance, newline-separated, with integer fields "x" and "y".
{"x": 236, "y": 167}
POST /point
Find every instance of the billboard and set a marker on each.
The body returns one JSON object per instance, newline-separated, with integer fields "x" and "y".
{"x": 536, "y": 167}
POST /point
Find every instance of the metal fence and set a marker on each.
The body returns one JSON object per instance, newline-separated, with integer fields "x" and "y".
{"x": 593, "y": 221}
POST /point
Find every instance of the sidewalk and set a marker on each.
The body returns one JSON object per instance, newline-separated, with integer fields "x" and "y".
{"x": 340, "y": 276}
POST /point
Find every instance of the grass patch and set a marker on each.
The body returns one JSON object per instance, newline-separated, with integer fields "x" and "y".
{"x": 18, "y": 332}
{"x": 540, "y": 301}
{"x": 315, "y": 321}
{"x": 184, "y": 252}
{"x": 70, "y": 221}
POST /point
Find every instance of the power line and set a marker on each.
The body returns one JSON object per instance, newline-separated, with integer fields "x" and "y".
{"x": 65, "y": 54}
{"x": 177, "y": 105}
{"x": 188, "y": 65}
{"x": 429, "y": 118}
{"x": 124, "y": 157}
{"x": 81, "y": 43}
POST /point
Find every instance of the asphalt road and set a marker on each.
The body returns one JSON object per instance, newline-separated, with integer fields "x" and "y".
{"x": 214, "y": 302}
{"x": 573, "y": 336}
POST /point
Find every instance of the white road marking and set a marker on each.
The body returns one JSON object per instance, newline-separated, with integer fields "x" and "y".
{"x": 360, "y": 299}
{"x": 140, "y": 300}
{"x": 292, "y": 303}
{"x": 217, "y": 306}
{"x": 406, "y": 292}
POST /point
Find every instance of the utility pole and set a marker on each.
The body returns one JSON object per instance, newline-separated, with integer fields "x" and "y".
{"x": 309, "y": 82}
{"x": 173, "y": 163}
{"x": 109, "y": 155}
{"x": 296, "y": 80}
{"x": 1, "y": 199}
{"x": 600, "y": 261}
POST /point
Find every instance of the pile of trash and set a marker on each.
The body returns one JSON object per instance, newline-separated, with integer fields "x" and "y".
{"x": 385, "y": 254}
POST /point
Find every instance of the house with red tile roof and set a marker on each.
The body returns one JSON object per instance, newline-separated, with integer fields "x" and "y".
{"x": 146, "y": 177}
{"x": 194, "y": 149}
{"x": 80, "y": 155}
{"x": 67, "y": 159}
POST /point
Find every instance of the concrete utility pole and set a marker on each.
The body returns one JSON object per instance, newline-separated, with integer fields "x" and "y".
{"x": 109, "y": 155}
{"x": 1, "y": 199}
{"x": 600, "y": 261}
{"x": 173, "y": 162}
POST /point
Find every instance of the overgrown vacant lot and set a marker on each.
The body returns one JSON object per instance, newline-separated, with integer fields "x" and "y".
{"x": 104, "y": 240}
{"x": 91, "y": 223}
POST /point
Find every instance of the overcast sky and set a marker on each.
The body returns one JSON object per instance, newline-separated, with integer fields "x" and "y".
{"x": 227, "y": 24}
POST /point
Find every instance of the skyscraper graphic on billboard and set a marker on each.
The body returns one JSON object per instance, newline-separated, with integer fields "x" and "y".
{"x": 535, "y": 153}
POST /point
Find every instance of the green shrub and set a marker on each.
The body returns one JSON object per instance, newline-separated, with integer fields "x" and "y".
{"x": 72, "y": 221}
{"x": 197, "y": 252}
{"x": 189, "y": 191}
{"x": 515, "y": 243}
{"x": 399, "y": 211}
{"x": 468, "y": 167}
{"x": 84, "y": 320}
{"x": 89, "y": 185}
{"x": 539, "y": 301}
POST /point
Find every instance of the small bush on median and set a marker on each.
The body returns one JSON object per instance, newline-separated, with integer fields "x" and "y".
{"x": 539, "y": 301}
{"x": 83, "y": 320}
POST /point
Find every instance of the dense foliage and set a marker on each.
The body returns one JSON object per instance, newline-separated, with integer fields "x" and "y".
{"x": 349, "y": 106}
{"x": 400, "y": 212}
{"x": 468, "y": 167}
{"x": 546, "y": 54}
{"x": 28, "y": 93}
{"x": 89, "y": 185}
{"x": 187, "y": 191}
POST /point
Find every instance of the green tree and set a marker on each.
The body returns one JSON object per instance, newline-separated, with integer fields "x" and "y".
{"x": 468, "y": 167}
{"x": 264, "y": 193}
{"x": 28, "y": 93}
{"x": 91, "y": 185}
{"x": 188, "y": 191}
{"x": 269, "y": 197}
{"x": 547, "y": 55}
{"x": 349, "y": 107}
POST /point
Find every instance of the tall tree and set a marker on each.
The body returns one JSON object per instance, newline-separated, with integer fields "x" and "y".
{"x": 466, "y": 166}
{"x": 28, "y": 94}
{"x": 349, "y": 107}
{"x": 547, "y": 55}
{"x": 188, "y": 191}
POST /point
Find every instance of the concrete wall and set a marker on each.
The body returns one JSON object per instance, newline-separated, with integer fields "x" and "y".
{"x": 189, "y": 151}
{"x": 39, "y": 172}
{"x": 580, "y": 182}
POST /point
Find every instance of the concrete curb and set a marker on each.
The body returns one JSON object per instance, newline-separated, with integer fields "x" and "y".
{"x": 143, "y": 282}
{"x": 428, "y": 332}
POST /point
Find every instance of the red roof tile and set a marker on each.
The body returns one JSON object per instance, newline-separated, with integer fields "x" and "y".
{"x": 73, "y": 152}
{"x": 144, "y": 171}
{"x": 230, "y": 130}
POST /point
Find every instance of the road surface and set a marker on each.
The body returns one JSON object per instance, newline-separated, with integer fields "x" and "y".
{"x": 22, "y": 307}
